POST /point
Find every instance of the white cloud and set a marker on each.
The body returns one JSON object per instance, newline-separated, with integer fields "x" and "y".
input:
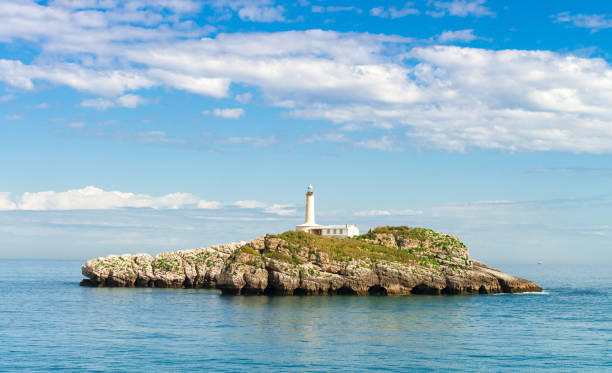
{"x": 328, "y": 137}
{"x": 281, "y": 210}
{"x": 446, "y": 97}
{"x": 130, "y": 101}
{"x": 253, "y": 10}
{"x": 206, "y": 86}
{"x": 461, "y": 8}
{"x": 98, "y": 103}
{"x": 405, "y": 11}
{"x": 262, "y": 14}
{"x": 509, "y": 99}
{"x": 249, "y": 204}
{"x": 229, "y": 113}
{"x": 393, "y": 12}
{"x": 109, "y": 82}
{"x": 465, "y": 36}
{"x": 127, "y": 101}
{"x": 379, "y": 12}
{"x": 67, "y": 27}
{"x": 209, "y": 205}
{"x": 335, "y": 9}
{"x": 174, "y": 6}
{"x": 384, "y": 143}
{"x": 595, "y": 22}
{"x": 92, "y": 198}
{"x": 244, "y": 98}
{"x": 6, "y": 203}
{"x": 277, "y": 209}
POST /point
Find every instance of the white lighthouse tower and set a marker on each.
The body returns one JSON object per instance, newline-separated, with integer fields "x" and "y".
{"x": 309, "y": 226}
{"x": 309, "y": 223}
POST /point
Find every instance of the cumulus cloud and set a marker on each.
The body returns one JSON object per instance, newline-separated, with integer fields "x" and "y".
{"x": 335, "y": 9}
{"x": 393, "y": 12}
{"x": 6, "y": 203}
{"x": 446, "y": 97}
{"x": 98, "y": 103}
{"x": 461, "y": 8}
{"x": 508, "y": 99}
{"x": 595, "y": 22}
{"x": 130, "y": 100}
{"x": 384, "y": 143}
{"x": 229, "y": 113}
{"x": 262, "y": 14}
{"x": 253, "y": 10}
{"x": 249, "y": 204}
{"x": 93, "y": 198}
{"x": 328, "y": 137}
{"x": 127, "y": 101}
{"x": 281, "y": 210}
{"x": 465, "y": 36}
{"x": 277, "y": 209}
{"x": 93, "y": 22}
{"x": 209, "y": 205}
{"x": 110, "y": 82}
{"x": 244, "y": 98}
{"x": 202, "y": 85}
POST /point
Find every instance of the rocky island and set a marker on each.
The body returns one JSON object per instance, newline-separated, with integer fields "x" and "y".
{"x": 384, "y": 261}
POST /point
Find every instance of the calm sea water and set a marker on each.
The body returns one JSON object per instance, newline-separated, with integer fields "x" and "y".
{"x": 48, "y": 322}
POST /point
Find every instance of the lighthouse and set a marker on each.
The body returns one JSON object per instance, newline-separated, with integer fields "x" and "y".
{"x": 310, "y": 212}
{"x": 309, "y": 226}
{"x": 309, "y": 222}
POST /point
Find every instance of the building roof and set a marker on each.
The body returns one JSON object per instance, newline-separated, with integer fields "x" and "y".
{"x": 309, "y": 225}
{"x": 337, "y": 226}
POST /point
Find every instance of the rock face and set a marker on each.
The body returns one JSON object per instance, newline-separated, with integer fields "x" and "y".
{"x": 199, "y": 268}
{"x": 385, "y": 261}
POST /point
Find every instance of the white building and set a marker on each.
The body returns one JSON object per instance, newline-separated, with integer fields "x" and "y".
{"x": 335, "y": 231}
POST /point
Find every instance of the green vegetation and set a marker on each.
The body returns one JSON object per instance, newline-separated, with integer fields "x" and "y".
{"x": 167, "y": 264}
{"x": 349, "y": 249}
{"x": 422, "y": 235}
{"x": 249, "y": 250}
{"x": 202, "y": 257}
{"x": 283, "y": 258}
{"x": 115, "y": 263}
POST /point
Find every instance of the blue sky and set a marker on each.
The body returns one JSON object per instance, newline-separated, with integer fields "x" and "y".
{"x": 152, "y": 125}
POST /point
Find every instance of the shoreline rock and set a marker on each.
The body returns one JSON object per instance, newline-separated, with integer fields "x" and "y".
{"x": 385, "y": 261}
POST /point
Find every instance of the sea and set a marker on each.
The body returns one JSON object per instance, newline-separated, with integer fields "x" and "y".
{"x": 50, "y": 323}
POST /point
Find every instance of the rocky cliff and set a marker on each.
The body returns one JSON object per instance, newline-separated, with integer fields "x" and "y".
{"x": 385, "y": 261}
